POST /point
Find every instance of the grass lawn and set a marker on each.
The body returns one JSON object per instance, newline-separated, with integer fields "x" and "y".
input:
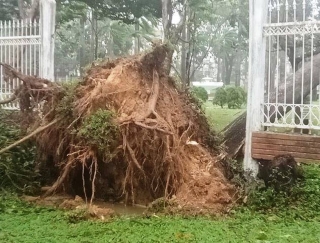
{"x": 277, "y": 219}
{"x": 266, "y": 218}
{"x": 220, "y": 117}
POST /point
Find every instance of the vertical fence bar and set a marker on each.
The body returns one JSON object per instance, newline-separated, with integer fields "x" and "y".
{"x": 5, "y": 55}
{"x": 286, "y": 55}
{"x": 258, "y": 12}
{"x": 269, "y": 67}
{"x": 303, "y": 64}
{"x": 278, "y": 64}
{"x": 34, "y": 32}
{"x": 30, "y": 47}
{"x": 313, "y": 8}
{"x": 1, "y": 59}
{"x": 14, "y": 82}
{"x": 294, "y": 64}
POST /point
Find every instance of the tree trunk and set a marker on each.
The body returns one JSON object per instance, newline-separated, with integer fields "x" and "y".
{"x": 183, "y": 68}
{"x": 137, "y": 41}
{"x": 228, "y": 67}
{"x": 238, "y": 70}
{"x": 22, "y": 11}
{"x": 82, "y": 61}
{"x": 94, "y": 34}
{"x": 219, "y": 69}
{"x": 167, "y": 13}
{"x": 110, "y": 50}
{"x": 234, "y": 134}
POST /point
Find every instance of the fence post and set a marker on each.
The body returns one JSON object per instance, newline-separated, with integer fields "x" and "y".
{"x": 47, "y": 23}
{"x": 258, "y": 10}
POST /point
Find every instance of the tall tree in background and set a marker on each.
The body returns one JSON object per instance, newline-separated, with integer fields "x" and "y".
{"x": 101, "y": 28}
{"x": 9, "y": 9}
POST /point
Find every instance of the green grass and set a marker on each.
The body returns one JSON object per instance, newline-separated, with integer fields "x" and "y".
{"x": 265, "y": 219}
{"x": 220, "y": 117}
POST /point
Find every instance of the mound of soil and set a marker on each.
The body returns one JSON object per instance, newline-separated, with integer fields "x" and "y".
{"x": 125, "y": 133}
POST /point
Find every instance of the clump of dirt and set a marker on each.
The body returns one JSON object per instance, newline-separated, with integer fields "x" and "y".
{"x": 125, "y": 133}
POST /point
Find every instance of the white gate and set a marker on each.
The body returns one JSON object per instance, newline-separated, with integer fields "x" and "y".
{"x": 284, "y": 71}
{"x": 28, "y": 46}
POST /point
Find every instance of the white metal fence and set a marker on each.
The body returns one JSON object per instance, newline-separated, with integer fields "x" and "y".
{"x": 28, "y": 46}
{"x": 284, "y": 69}
{"x": 20, "y": 46}
{"x": 292, "y": 35}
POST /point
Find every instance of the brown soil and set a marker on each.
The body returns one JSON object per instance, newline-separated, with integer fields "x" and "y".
{"x": 164, "y": 148}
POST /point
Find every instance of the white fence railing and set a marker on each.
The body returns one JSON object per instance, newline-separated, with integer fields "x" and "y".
{"x": 292, "y": 65}
{"x": 20, "y": 47}
{"x": 28, "y": 46}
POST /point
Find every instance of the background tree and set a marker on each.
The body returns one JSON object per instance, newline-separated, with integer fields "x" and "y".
{"x": 9, "y": 9}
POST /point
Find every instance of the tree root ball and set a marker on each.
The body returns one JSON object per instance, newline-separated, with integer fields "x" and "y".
{"x": 126, "y": 133}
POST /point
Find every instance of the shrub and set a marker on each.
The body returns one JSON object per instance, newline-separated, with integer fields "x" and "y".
{"x": 220, "y": 97}
{"x": 200, "y": 93}
{"x": 235, "y": 97}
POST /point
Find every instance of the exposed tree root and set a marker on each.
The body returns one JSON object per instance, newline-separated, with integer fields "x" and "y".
{"x": 66, "y": 171}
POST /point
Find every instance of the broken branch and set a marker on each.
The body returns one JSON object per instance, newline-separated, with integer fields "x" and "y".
{"x": 35, "y": 132}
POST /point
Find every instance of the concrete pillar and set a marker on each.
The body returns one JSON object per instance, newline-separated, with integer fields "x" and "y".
{"x": 258, "y": 10}
{"x": 47, "y": 31}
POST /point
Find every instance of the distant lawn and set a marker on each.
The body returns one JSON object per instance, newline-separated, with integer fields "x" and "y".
{"x": 219, "y": 117}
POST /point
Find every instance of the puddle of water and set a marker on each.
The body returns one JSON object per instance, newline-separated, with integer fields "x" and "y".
{"x": 121, "y": 208}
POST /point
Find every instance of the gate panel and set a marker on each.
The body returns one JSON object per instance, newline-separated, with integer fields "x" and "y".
{"x": 292, "y": 74}
{"x": 20, "y": 47}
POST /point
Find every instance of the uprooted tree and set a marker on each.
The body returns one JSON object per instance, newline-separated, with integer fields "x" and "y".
{"x": 123, "y": 133}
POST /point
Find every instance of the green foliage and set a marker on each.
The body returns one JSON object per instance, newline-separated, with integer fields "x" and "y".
{"x": 77, "y": 215}
{"x": 304, "y": 197}
{"x": 99, "y": 130}
{"x": 22, "y": 222}
{"x": 17, "y": 164}
{"x": 121, "y": 34}
{"x": 220, "y": 97}
{"x": 123, "y": 10}
{"x": 200, "y": 93}
{"x": 234, "y": 97}
{"x": 65, "y": 107}
{"x": 8, "y": 9}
